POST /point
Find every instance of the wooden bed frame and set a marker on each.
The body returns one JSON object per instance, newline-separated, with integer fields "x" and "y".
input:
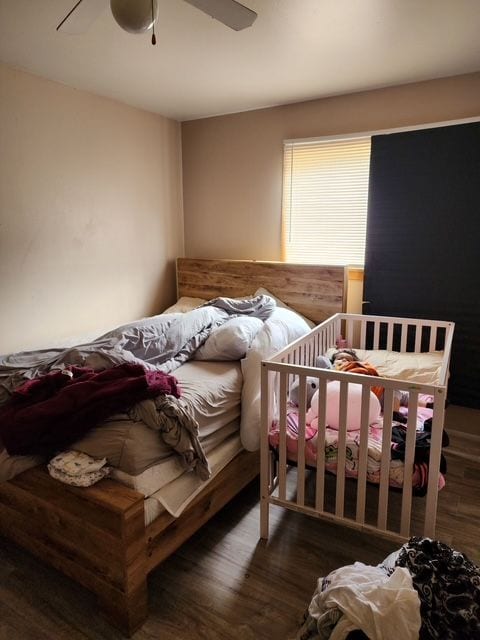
{"x": 97, "y": 535}
{"x": 316, "y": 292}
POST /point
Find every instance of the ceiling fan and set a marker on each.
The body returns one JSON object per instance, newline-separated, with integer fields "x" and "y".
{"x": 138, "y": 16}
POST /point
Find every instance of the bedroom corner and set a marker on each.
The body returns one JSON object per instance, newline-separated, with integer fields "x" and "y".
{"x": 91, "y": 211}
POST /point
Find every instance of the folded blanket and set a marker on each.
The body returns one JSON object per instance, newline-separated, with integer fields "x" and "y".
{"x": 77, "y": 469}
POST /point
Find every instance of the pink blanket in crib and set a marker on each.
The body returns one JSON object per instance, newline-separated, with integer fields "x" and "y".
{"x": 374, "y": 455}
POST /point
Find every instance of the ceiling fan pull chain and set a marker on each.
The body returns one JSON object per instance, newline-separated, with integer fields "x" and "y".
{"x": 154, "y": 39}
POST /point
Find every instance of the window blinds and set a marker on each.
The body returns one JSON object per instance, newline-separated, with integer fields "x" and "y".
{"x": 324, "y": 205}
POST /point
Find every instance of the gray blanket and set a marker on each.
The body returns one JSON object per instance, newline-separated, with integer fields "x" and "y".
{"x": 162, "y": 342}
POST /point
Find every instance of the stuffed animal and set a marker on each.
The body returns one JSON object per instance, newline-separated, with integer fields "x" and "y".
{"x": 353, "y": 411}
{"x": 322, "y": 362}
{"x": 312, "y": 386}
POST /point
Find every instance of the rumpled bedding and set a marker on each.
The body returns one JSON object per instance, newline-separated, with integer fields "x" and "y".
{"x": 374, "y": 450}
{"x": 157, "y": 344}
{"x": 51, "y": 411}
{"x": 162, "y": 342}
{"x": 388, "y": 363}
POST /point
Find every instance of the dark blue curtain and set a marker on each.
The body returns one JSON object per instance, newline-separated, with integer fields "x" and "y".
{"x": 423, "y": 239}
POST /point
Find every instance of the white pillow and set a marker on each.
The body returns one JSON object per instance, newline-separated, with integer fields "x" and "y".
{"x": 185, "y": 304}
{"x": 279, "y": 330}
{"x": 231, "y": 340}
{"x": 282, "y": 304}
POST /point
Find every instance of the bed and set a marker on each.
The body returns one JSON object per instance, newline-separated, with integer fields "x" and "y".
{"x": 110, "y": 536}
{"x": 412, "y": 357}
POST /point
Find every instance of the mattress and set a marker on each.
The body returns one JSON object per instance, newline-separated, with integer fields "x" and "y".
{"x": 211, "y": 391}
{"x": 175, "y": 496}
{"x": 160, "y": 474}
{"x": 152, "y": 509}
{"x": 11, "y": 466}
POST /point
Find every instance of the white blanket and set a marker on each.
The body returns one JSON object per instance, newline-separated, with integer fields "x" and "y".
{"x": 366, "y": 598}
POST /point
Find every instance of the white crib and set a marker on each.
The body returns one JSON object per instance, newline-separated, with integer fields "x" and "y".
{"x": 296, "y": 362}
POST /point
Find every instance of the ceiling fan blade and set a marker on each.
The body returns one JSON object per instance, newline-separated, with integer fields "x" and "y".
{"x": 231, "y": 13}
{"x": 82, "y": 16}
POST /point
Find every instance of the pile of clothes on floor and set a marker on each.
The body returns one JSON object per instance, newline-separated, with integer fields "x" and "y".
{"x": 426, "y": 590}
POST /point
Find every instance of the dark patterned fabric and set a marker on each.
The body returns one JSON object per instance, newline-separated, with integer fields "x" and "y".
{"x": 448, "y": 585}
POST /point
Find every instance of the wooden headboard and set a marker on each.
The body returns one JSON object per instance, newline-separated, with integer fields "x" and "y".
{"x": 316, "y": 292}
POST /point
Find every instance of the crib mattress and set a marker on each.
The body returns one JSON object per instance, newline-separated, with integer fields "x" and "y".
{"x": 423, "y": 368}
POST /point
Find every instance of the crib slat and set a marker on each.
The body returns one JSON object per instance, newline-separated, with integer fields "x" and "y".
{"x": 376, "y": 334}
{"x": 418, "y": 338}
{"x": 409, "y": 458}
{"x": 349, "y": 333}
{"x": 322, "y": 422}
{"x": 302, "y": 401}
{"x": 265, "y": 460}
{"x": 434, "y": 463}
{"x": 403, "y": 341}
{"x": 282, "y": 444}
{"x": 363, "y": 455}
{"x": 385, "y": 461}
{"x": 338, "y": 328}
{"x": 433, "y": 338}
{"x": 363, "y": 331}
{"x": 389, "y": 336}
{"x": 341, "y": 454}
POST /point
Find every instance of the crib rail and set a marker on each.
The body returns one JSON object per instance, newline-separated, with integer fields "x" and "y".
{"x": 412, "y": 335}
{"x": 296, "y": 363}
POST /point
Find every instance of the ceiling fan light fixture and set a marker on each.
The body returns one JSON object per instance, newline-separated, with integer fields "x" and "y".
{"x": 135, "y": 16}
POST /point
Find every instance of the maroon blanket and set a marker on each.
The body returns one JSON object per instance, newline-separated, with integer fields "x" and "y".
{"x": 48, "y": 413}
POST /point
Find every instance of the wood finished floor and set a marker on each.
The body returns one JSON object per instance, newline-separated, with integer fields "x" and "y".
{"x": 223, "y": 583}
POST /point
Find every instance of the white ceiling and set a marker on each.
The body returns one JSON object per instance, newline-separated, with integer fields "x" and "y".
{"x": 296, "y": 50}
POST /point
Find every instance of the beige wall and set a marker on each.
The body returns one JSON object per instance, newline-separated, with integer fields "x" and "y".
{"x": 90, "y": 211}
{"x": 232, "y": 165}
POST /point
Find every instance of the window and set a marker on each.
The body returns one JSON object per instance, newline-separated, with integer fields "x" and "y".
{"x": 325, "y": 195}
